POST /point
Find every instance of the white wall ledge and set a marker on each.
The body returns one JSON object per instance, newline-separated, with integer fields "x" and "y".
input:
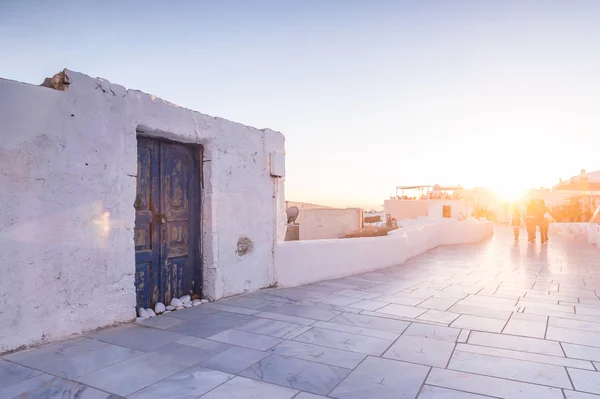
{"x": 304, "y": 262}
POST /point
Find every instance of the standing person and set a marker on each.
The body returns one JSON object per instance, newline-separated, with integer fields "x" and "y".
{"x": 540, "y": 210}
{"x": 545, "y": 223}
{"x": 530, "y": 220}
{"x": 516, "y": 222}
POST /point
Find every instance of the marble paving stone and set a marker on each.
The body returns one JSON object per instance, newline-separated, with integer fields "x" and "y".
{"x": 495, "y": 387}
{"x": 574, "y": 324}
{"x": 402, "y": 310}
{"x": 512, "y": 369}
{"x": 205, "y": 344}
{"x": 525, "y": 328}
{"x": 54, "y": 352}
{"x": 274, "y": 328}
{"x": 382, "y": 379}
{"x": 269, "y": 296}
{"x": 377, "y": 323}
{"x": 133, "y": 374}
{"x": 595, "y": 302}
{"x": 546, "y": 306}
{"x": 137, "y": 337}
{"x": 334, "y": 284}
{"x": 356, "y": 330}
{"x": 367, "y": 304}
{"x": 345, "y": 341}
{"x": 492, "y": 300}
{"x": 320, "y": 354}
{"x": 531, "y": 357}
{"x": 562, "y": 315}
{"x": 430, "y": 392}
{"x": 75, "y": 366}
{"x": 573, "y": 336}
{"x": 590, "y": 311}
{"x": 426, "y": 293}
{"x": 530, "y": 317}
{"x": 235, "y": 359}
{"x": 73, "y": 361}
{"x": 336, "y": 308}
{"x": 297, "y": 374}
{"x": 320, "y": 288}
{"x": 580, "y": 395}
{"x": 245, "y": 388}
{"x": 524, "y": 344}
{"x": 439, "y": 316}
{"x": 358, "y": 294}
{"x": 400, "y": 300}
{"x": 194, "y": 313}
{"x": 586, "y": 381}
{"x": 283, "y": 317}
{"x": 357, "y": 283}
{"x": 339, "y": 300}
{"x": 442, "y": 304}
{"x": 246, "y": 339}
{"x": 481, "y": 311}
{"x": 187, "y": 384}
{"x": 479, "y": 323}
{"x": 297, "y": 293}
{"x": 439, "y": 333}
{"x": 308, "y": 312}
{"x": 160, "y": 322}
{"x": 49, "y": 387}
{"x": 11, "y": 373}
{"x": 246, "y": 302}
{"x": 429, "y": 352}
{"x": 581, "y": 352}
{"x": 464, "y": 336}
{"x": 210, "y": 325}
{"x": 305, "y": 395}
{"x": 230, "y": 308}
{"x": 394, "y": 317}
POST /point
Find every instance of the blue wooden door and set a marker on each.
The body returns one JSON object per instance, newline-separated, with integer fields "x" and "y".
{"x": 166, "y": 224}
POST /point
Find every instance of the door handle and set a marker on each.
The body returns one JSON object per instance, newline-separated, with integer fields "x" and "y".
{"x": 160, "y": 217}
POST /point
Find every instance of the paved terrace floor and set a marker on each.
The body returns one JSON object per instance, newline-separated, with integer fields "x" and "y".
{"x": 497, "y": 319}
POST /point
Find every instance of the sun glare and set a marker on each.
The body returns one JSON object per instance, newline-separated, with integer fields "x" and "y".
{"x": 509, "y": 194}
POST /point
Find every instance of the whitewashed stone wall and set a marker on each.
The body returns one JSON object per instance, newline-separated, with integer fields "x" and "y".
{"x": 580, "y": 231}
{"x": 68, "y": 163}
{"x": 304, "y": 262}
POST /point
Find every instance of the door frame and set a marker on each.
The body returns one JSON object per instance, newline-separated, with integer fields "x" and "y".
{"x": 195, "y": 204}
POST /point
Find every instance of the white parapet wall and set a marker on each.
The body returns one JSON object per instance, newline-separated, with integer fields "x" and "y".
{"x": 580, "y": 231}
{"x": 304, "y": 262}
{"x": 67, "y": 190}
{"x": 317, "y": 224}
{"x": 412, "y": 209}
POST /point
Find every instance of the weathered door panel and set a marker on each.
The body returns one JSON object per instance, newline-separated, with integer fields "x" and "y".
{"x": 177, "y": 193}
{"x": 146, "y": 233}
{"x": 167, "y": 221}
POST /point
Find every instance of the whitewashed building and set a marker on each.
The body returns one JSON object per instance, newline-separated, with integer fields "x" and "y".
{"x": 112, "y": 198}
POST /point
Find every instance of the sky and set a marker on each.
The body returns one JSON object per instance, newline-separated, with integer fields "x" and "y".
{"x": 369, "y": 94}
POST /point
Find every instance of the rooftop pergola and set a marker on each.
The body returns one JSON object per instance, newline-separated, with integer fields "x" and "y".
{"x": 426, "y": 189}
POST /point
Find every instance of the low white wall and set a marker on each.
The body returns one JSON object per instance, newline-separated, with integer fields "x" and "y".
{"x": 304, "y": 262}
{"x": 412, "y": 209}
{"x": 318, "y": 224}
{"x": 67, "y": 189}
{"x": 580, "y": 231}
{"x": 305, "y": 205}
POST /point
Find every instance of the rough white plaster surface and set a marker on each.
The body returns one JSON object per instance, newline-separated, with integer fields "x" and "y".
{"x": 67, "y": 188}
{"x": 412, "y": 209}
{"x": 304, "y": 262}
{"x": 318, "y": 224}
{"x": 580, "y": 231}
